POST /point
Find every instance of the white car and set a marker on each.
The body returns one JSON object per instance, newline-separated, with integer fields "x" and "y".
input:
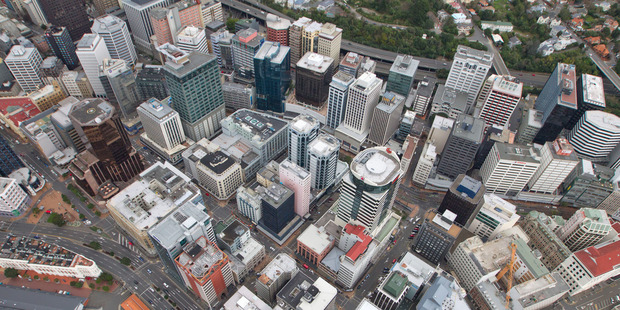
{"x": 166, "y": 285}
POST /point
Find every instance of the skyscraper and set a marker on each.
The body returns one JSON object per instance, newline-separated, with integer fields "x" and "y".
{"x": 508, "y": 168}
{"x": 423, "y": 95}
{"x": 194, "y": 83}
{"x": 120, "y": 86}
{"x": 245, "y": 45}
{"x": 163, "y": 132}
{"x": 91, "y": 50}
{"x": 557, "y": 161}
{"x": 115, "y": 34}
{"x": 60, "y": 42}
{"x": 167, "y": 21}
{"x": 215, "y": 38}
{"x": 590, "y": 96}
{"x": 138, "y": 17}
{"x": 312, "y": 78}
{"x": 298, "y": 33}
{"x": 585, "y": 228}
{"x": 9, "y": 161}
{"x": 303, "y": 129}
{"x": 469, "y": 70}
{"x": 494, "y": 216}
{"x": 463, "y": 198}
{"x": 337, "y": 98}
{"x": 191, "y": 38}
{"x": 278, "y": 208}
{"x": 211, "y": 11}
{"x": 24, "y": 63}
{"x": 277, "y": 29}
{"x": 103, "y": 5}
{"x": 322, "y": 160}
{"x": 272, "y": 69}
{"x": 299, "y": 181}
{"x": 501, "y": 101}
{"x": 369, "y": 189}
{"x": 595, "y": 135}
{"x": 67, "y": 13}
{"x": 151, "y": 83}
{"x": 462, "y": 146}
{"x": 402, "y": 74}
{"x": 330, "y": 38}
{"x": 350, "y": 64}
{"x": 386, "y": 118}
{"x": 437, "y": 234}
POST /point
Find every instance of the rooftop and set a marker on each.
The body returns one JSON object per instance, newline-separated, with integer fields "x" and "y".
{"x": 593, "y": 92}
{"x": 25, "y": 298}
{"x": 567, "y": 80}
{"x": 39, "y": 252}
{"x": 367, "y": 82}
{"x": 376, "y": 166}
{"x": 443, "y": 123}
{"x": 539, "y": 290}
{"x": 468, "y": 187}
{"x": 315, "y": 62}
{"x": 217, "y": 162}
{"x": 600, "y": 259}
{"x": 469, "y": 53}
{"x": 426, "y": 86}
{"x": 300, "y": 172}
{"x": 496, "y": 298}
{"x": 390, "y": 102}
{"x": 19, "y": 52}
{"x": 528, "y": 256}
{"x": 415, "y": 269}
{"x": 316, "y": 239}
{"x": 88, "y": 41}
{"x": 445, "y": 221}
{"x": 307, "y": 292}
{"x": 232, "y": 232}
{"x": 157, "y": 109}
{"x": 324, "y": 145}
{"x": 262, "y": 126}
{"x": 341, "y": 80}
{"x": 405, "y": 65}
{"x": 360, "y": 246}
{"x": 603, "y": 120}
{"x": 244, "y": 299}
{"x": 455, "y": 98}
{"x": 273, "y": 51}
{"x": 444, "y": 288}
{"x": 395, "y": 284}
{"x": 352, "y": 60}
{"x": 173, "y": 228}
{"x": 277, "y": 194}
{"x": 277, "y": 23}
{"x": 469, "y": 127}
{"x": 280, "y": 264}
{"x": 304, "y": 124}
{"x": 91, "y": 112}
{"x": 508, "y": 85}
{"x": 516, "y": 152}
{"x": 201, "y": 258}
{"x": 501, "y": 209}
{"x": 106, "y": 23}
{"x": 181, "y": 63}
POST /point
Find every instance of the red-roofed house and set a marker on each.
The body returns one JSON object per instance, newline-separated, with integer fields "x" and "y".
{"x": 588, "y": 267}
{"x": 359, "y": 249}
{"x": 577, "y": 23}
{"x": 601, "y": 50}
{"x": 593, "y": 40}
{"x": 14, "y": 110}
{"x": 611, "y": 23}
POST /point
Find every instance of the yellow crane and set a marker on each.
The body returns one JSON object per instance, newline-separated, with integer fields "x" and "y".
{"x": 508, "y": 268}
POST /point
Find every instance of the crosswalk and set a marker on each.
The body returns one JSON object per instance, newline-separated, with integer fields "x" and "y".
{"x": 126, "y": 243}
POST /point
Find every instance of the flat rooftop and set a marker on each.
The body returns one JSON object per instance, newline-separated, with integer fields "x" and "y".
{"x": 280, "y": 264}
{"x": 352, "y": 60}
{"x": 201, "y": 258}
{"x": 324, "y": 145}
{"x": 376, "y": 166}
{"x": 538, "y": 290}
{"x": 157, "y": 109}
{"x": 38, "y": 252}
{"x": 232, "y": 232}
{"x": 276, "y": 194}
{"x": 88, "y": 40}
{"x": 171, "y": 230}
{"x": 593, "y": 92}
{"x": 469, "y": 53}
{"x": 426, "y": 86}
{"x": 501, "y": 210}
{"x": 91, "y": 112}
{"x": 469, "y": 127}
{"x": 244, "y": 299}
{"x": 260, "y": 125}
{"x": 443, "y": 123}
{"x": 217, "y": 162}
{"x": 315, "y": 62}
{"x": 415, "y": 269}
{"x": 316, "y": 239}
{"x": 300, "y": 172}
{"x": 567, "y": 81}
{"x": 405, "y": 65}
{"x": 604, "y": 121}
{"x": 273, "y": 51}
{"x": 516, "y": 152}
{"x": 304, "y": 124}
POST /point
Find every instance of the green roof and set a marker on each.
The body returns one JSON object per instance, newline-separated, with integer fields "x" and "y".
{"x": 386, "y": 228}
{"x": 533, "y": 264}
{"x": 219, "y": 227}
{"x": 396, "y": 284}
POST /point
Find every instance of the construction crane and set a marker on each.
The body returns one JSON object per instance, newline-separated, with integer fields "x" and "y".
{"x": 508, "y": 268}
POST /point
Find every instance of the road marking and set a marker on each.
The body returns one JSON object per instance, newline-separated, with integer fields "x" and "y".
{"x": 124, "y": 242}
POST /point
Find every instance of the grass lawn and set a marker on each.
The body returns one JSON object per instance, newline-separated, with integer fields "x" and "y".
{"x": 500, "y": 5}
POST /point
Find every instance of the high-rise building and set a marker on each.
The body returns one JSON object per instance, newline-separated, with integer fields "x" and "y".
{"x": 330, "y": 38}
{"x": 588, "y": 185}
{"x": 508, "y": 168}
{"x": 191, "y": 38}
{"x": 277, "y": 29}
{"x": 163, "y": 132}
{"x": 322, "y": 160}
{"x": 245, "y": 45}
{"x": 590, "y": 96}
{"x": 272, "y": 71}
{"x": 167, "y": 21}
{"x": 299, "y": 181}
{"x": 9, "y": 161}
{"x": 595, "y": 135}
{"x": 120, "y": 86}
{"x": 302, "y": 130}
{"x": 138, "y": 17}
{"x": 585, "y": 228}
{"x": 220, "y": 174}
{"x": 249, "y": 200}
{"x": 462, "y": 146}
{"x": 541, "y": 229}
{"x": 337, "y": 98}
{"x": 24, "y": 63}
{"x": 450, "y": 102}
{"x": 76, "y": 84}
{"x": 67, "y": 13}
{"x": 196, "y": 91}
{"x": 557, "y": 160}
{"x": 501, "y": 101}
{"x": 115, "y": 34}
{"x": 211, "y": 11}
{"x": 406, "y": 125}
{"x": 312, "y": 78}
{"x": 301, "y": 35}
{"x": 423, "y": 95}
{"x": 463, "y": 198}
{"x": 13, "y": 199}
{"x": 614, "y": 158}
{"x": 425, "y": 164}
{"x": 494, "y": 134}
{"x": 386, "y": 118}
{"x": 557, "y": 102}
{"x": 151, "y": 83}
{"x": 351, "y": 64}
{"x": 92, "y": 50}
{"x": 34, "y": 10}
{"x": 440, "y": 132}
{"x": 102, "y": 6}
{"x": 494, "y": 216}
{"x": 223, "y": 53}
{"x": 369, "y": 189}
{"x": 239, "y": 96}
{"x": 611, "y": 204}
{"x": 437, "y": 234}
{"x": 402, "y": 74}
{"x": 469, "y": 70}
{"x": 357, "y": 243}
{"x": 278, "y": 205}
{"x": 530, "y": 125}
{"x": 60, "y": 42}
{"x": 274, "y": 276}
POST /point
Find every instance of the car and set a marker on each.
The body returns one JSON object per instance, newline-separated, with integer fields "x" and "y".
{"x": 48, "y": 211}
{"x": 140, "y": 258}
{"x": 386, "y": 268}
{"x": 166, "y": 285}
{"x": 129, "y": 242}
{"x": 135, "y": 282}
{"x": 412, "y": 235}
{"x": 386, "y": 271}
{"x": 149, "y": 271}
{"x": 393, "y": 261}
{"x": 306, "y": 266}
{"x": 533, "y": 74}
{"x": 367, "y": 276}
{"x": 359, "y": 286}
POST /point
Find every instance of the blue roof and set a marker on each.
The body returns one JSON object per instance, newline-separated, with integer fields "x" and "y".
{"x": 469, "y": 186}
{"x": 436, "y": 294}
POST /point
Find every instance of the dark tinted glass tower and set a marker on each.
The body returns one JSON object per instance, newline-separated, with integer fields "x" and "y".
{"x": 272, "y": 75}
{"x": 278, "y": 206}
{"x": 9, "y": 161}
{"x": 462, "y": 146}
{"x": 67, "y": 13}
{"x": 60, "y": 42}
{"x": 463, "y": 198}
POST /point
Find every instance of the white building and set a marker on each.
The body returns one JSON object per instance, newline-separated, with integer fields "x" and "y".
{"x": 274, "y": 276}
{"x": 163, "y": 132}
{"x": 425, "y": 164}
{"x": 211, "y": 11}
{"x": 450, "y": 102}
{"x": 496, "y": 25}
{"x": 299, "y": 181}
{"x": 557, "y": 161}
{"x": 302, "y": 130}
{"x": 249, "y": 203}
{"x": 92, "y": 50}
{"x": 595, "y": 135}
{"x": 585, "y": 228}
{"x": 494, "y": 217}
{"x": 35, "y": 12}
{"x": 508, "y": 168}
{"x": 24, "y": 63}
{"x": 322, "y": 160}
{"x": 501, "y": 100}
{"x": 139, "y": 19}
{"x": 13, "y": 199}
{"x": 337, "y": 98}
{"x": 440, "y": 131}
{"x": 423, "y": 95}
{"x": 359, "y": 248}
{"x": 191, "y": 38}
{"x": 330, "y": 38}
{"x": 386, "y": 118}
{"x": 244, "y": 299}
{"x": 115, "y": 34}
{"x": 469, "y": 70}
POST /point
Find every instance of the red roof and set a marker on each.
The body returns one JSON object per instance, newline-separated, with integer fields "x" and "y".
{"x": 11, "y": 105}
{"x": 359, "y": 247}
{"x": 357, "y": 230}
{"x": 600, "y": 260}
{"x": 616, "y": 227}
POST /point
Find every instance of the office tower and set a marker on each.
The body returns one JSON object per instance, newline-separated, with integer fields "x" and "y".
{"x": 115, "y": 34}
{"x": 556, "y": 163}
{"x": 613, "y": 158}
{"x": 402, "y": 74}
{"x": 302, "y": 37}
{"x": 60, "y": 42}
{"x": 219, "y": 173}
{"x": 588, "y": 185}
{"x": 386, "y": 118}
{"x": 138, "y": 17}
{"x": 151, "y": 83}
{"x": 239, "y": 96}
{"x": 167, "y": 21}
{"x": 302, "y": 130}
{"x": 423, "y": 95}
{"x": 357, "y": 243}
{"x": 102, "y": 6}
{"x": 501, "y": 101}
{"x": 611, "y": 204}
{"x": 196, "y": 91}
{"x": 493, "y": 134}
{"x": 541, "y": 229}
{"x": 529, "y": 127}
{"x": 91, "y": 50}
{"x": 211, "y": 11}
{"x": 278, "y": 206}
{"x": 191, "y": 38}
{"x": 274, "y": 276}
{"x": 215, "y": 38}
{"x": 369, "y": 189}
{"x": 406, "y": 125}
{"x": 211, "y": 28}
{"x": 76, "y": 84}
{"x": 351, "y": 63}
{"x": 34, "y": 10}
{"x": 469, "y": 70}
{"x": 299, "y": 180}
{"x": 450, "y": 102}
{"x": 312, "y": 77}
{"x": 322, "y": 160}
{"x": 163, "y": 132}
{"x": 67, "y": 13}
{"x": 9, "y": 161}
{"x": 585, "y": 228}
{"x": 206, "y": 269}
{"x": 272, "y": 69}
{"x": 277, "y": 29}
{"x": 437, "y": 234}
{"x": 463, "y": 198}
{"x": 557, "y": 101}
{"x": 337, "y": 98}
{"x": 425, "y": 164}
{"x": 330, "y": 38}
{"x": 590, "y": 96}
{"x": 494, "y": 216}
{"x": 595, "y": 135}
{"x": 249, "y": 201}
{"x": 52, "y": 69}
{"x": 109, "y": 154}
{"x": 509, "y": 167}
{"x": 462, "y": 146}
{"x": 48, "y": 96}
{"x": 245, "y": 45}
{"x": 226, "y": 51}
{"x": 24, "y": 63}
{"x": 13, "y": 199}
{"x": 120, "y": 86}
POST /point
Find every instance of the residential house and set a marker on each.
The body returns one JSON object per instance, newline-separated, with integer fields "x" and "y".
{"x": 576, "y": 23}
{"x": 611, "y": 23}
{"x": 601, "y": 50}
{"x": 593, "y": 40}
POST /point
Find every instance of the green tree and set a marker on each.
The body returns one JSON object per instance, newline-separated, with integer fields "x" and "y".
{"x": 95, "y": 245}
{"x": 230, "y": 24}
{"x": 56, "y": 219}
{"x": 488, "y": 32}
{"x": 97, "y": 213}
{"x": 82, "y": 216}
{"x": 106, "y": 277}
{"x": 450, "y": 27}
{"x": 65, "y": 198}
{"x": 11, "y": 272}
{"x": 79, "y": 284}
{"x": 442, "y": 73}
{"x": 125, "y": 261}
{"x": 564, "y": 14}
{"x": 91, "y": 285}
{"x": 106, "y": 288}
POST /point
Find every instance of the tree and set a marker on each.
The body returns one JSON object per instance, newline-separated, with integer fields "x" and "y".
{"x": 488, "y": 32}
{"x": 564, "y": 14}
{"x": 106, "y": 277}
{"x": 11, "y": 273}
{"x": 79, "y": 284}
{"x": 65, "y": 198}
{"x": 82, "y": 216}
{"x": 442, "y": 73}
{"x": 230, "y": 24}
{"x": 450, "y": 27}
{"x": 56, "y": 280}
{"x": 125, "y": 261}
{"x": 95, "y": 245}
{"x": 91, "y": 285}
{"x": 106, "y": 288}
{"x": 56, "y": 219}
